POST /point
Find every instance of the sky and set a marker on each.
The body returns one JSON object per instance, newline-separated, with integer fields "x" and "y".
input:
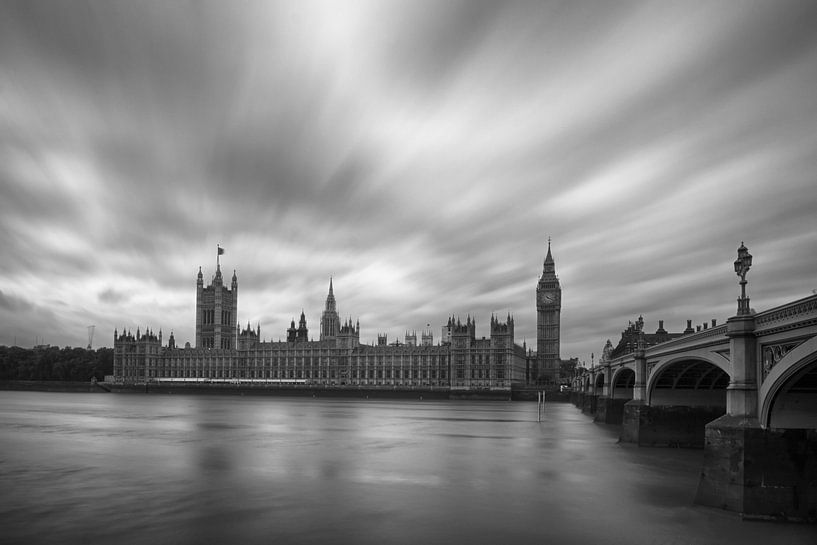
{"x": 419, "y": 153}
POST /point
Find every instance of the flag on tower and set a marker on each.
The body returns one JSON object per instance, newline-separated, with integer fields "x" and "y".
{"x": 220, "y": 250}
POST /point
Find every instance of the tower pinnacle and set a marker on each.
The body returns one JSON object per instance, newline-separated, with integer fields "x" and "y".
{"x": 549, "y": 267}
{"x": 330, "y": 321}
{"x": 330, "y": 299}
{"x": 549, "y": 256}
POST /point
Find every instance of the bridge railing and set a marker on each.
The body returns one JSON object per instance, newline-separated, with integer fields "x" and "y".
{"x": 715, "y": 332}
{"x": 790, "y": 313}
{"x": 691, "y": 338}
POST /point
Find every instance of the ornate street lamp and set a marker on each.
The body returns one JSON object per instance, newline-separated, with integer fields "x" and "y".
{"x": 742, "y": 265}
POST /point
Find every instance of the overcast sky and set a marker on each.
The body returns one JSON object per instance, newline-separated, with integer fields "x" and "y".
{"x": 420, "y": 153}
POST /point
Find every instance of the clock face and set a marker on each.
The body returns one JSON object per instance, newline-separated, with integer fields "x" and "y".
{"x": 548, "y": 297}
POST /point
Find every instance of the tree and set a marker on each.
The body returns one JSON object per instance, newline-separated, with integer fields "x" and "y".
{"x": 567, "y": 369}
{"x": 52, "y": 363}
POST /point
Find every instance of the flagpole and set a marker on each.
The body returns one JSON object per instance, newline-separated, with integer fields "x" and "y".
{"x": 218, "y": 255}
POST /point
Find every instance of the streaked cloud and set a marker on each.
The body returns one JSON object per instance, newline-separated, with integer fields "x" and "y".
{"x": 419, "y": 153}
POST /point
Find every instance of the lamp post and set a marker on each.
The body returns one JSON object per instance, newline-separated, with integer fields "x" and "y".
{"x": 640, "y": 359}
{"x": 742, "y": 265}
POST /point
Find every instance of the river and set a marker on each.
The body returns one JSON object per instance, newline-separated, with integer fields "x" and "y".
{"x": 151, "y": 469}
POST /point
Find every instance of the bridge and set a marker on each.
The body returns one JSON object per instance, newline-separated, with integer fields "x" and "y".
{"x": 745, "y": 391}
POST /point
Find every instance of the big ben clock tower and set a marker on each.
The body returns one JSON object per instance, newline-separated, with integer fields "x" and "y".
{"x": 548, "y": 309}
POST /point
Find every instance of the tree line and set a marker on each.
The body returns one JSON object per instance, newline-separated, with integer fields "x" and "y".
{"x": 54, "y": 363}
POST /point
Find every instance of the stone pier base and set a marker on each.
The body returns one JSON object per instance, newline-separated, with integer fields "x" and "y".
{"x": 666, "y": 426}
{"x": 634, "y": 411}
{"x": 609, "y": 411}
{"x": 760, "y": 473}
{"x": 589, "y": 404}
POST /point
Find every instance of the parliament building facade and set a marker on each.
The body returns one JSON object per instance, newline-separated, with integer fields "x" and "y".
{"x": 226, "y": 353}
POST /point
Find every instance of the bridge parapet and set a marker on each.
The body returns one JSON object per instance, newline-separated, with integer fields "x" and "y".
{"x": 621, "y": 360}
{"x": 794, "y": 315}
{"x": 703, "y": 339}
{"x": 715, "y": 335}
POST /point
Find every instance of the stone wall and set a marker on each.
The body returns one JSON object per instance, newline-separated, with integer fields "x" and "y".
{"x": 667, "y": 426}
{"x": 761, "y": 473}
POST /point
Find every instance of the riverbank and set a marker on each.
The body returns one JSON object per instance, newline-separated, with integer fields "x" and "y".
{"x": 54, "y": 386}
{"x": 521, "y": 394}
{"x": 242, "y": 390}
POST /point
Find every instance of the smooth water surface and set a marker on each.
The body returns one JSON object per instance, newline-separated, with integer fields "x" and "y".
{"x": 150, "y": 469}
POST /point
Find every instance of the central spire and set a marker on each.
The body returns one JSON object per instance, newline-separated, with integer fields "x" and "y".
{"x": 330, "y": 299}
{"x": 330, "y": 321}
{"x": 549, "y": 265}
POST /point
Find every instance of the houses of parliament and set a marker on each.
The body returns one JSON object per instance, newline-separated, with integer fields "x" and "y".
{"x": 226, "y": 353}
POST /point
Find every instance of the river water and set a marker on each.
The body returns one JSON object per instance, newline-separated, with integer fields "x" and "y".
{"x": 151, "y": 469}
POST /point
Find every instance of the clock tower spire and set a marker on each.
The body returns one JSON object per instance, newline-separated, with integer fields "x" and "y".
{"x": 548, "y": 310}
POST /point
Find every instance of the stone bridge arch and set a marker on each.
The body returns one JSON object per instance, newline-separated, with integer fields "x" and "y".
{"x": 621, "y": 385}
{"x": 691, "y": 380}
{"x": 599, "y": 383}
{"x": 788, "y": 395}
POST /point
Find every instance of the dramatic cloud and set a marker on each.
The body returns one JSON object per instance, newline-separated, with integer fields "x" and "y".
{"x": 420, "y": 153}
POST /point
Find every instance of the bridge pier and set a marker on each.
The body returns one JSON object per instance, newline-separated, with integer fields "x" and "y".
{"x": 666, "y": 425}
{"x": 632, "y": 421}
{"x": 589, "y": 403}
{"x": 755, "y": 471}
{"x": 759, "y": 472}
{"x": 610, "y": 410}
{"x": 636, "y": 411}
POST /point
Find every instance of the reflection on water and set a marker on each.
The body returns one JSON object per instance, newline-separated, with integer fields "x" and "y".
{"x": 146, "y": 469}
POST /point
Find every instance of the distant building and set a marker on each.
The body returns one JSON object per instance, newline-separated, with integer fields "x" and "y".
{"x": 634, "y": 333}
{"x": 548, "y": 324}
{"x": 299, "y": 335}
{"x": 226, "y": 353}
{"x": 216, "y": 312}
